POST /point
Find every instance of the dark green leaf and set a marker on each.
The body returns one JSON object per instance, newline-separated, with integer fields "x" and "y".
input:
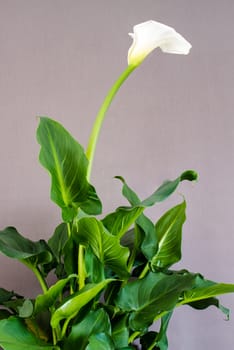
{"x": 6, "y": 295}
{"x": 15, "y": 336}
{"x": 120, "y": 332}
{"x": 91, "y": 233}
{"x": 13, "y": 245}
{"x": 147, "y": 298}
{"x": 169, "y": 234}
{"x": 67, "y": 164}
{"x": 58, "y": 241}
{"x": 95, "y": 322}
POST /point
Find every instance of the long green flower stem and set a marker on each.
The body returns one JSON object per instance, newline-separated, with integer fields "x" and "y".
{"x": 101, "y": 115}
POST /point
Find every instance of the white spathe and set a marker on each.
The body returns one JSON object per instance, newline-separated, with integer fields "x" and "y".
{"x": 149, "y": 35}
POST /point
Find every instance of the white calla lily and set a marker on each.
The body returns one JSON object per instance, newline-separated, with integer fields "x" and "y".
{"x": 149, "y": 35}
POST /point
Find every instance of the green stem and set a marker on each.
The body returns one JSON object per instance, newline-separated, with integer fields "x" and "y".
{"x": 37, "y": 273}
{"x": 81, "y": 267}
{"x": 101, "y": 115}
{"x": 133, "y": 336}
{"x": 144, "y": 271}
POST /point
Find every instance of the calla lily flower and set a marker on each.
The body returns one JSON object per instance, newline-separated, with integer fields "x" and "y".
{"x": 149, "y": 35}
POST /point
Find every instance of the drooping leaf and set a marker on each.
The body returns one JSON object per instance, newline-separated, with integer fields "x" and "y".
{"x": 14, "y": 245}
{"x": 67, "y": 164}
{"x": 118, "y": 222}
{"x": 163, "y": 192}
{"x": 147, "y": 298}
{"x": 48, "y": 299}
{"x": 105, "y": 246}
{"x": 70, "y": 308}
{"x": 95, "y": 322}
{"x": 206, "y": 290}
{"x": 14, "y": 335}
{"x": 169, "y": 233}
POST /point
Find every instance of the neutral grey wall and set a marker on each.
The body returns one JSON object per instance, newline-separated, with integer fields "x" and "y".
{"x": 59, "y": 58}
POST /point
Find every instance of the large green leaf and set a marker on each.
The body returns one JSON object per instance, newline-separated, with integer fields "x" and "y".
{"x": 95, "y": 322}
{"x": 147, "y": 298}
{"x": 48, "y": 299}
{"x": 205, "y": 289}
{"x": 118, "y": 222}
{"x": 67, "y": 164}
{"x": 58, "y": 241}
{"x": 105, "y": 246}
{"x": 70, "y": 308}
{"x": 14, "y": 245}
{"x": 169, "y": 233}
{"x": 15, "y": 336}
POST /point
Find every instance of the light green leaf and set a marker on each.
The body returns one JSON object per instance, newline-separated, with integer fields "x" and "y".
{"x": 48, "y": 299}
{"x": 70, "y": 308}
{"x": 15, "y": 336}
{"x": 26, "y": 310}
{"x": 105, "y": 246}
{"x": 118, "y": 222}
{"x": 67, "y": 164}
{"x": 169, "y": 233}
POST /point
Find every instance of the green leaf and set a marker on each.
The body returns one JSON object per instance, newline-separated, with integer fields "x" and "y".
{"x": 100, "y": 341}
{"x": 48, "y": 299}
{"x": 206, "y": 289}
{"x": 58, "y": 241}
{"x": 70, "y": 308}
{"x": 163, "y": 192}
{"x": 6, "y": 295}
{"x": 14, "y": 245}
{"x": 120, "y": 332}
{"x": 26, "y": 310}
{"x": 105, "y": 246}
{"x": 169, "y": 234}
{"x": 95, "y": 322}
{"x": 118, "y": 222}
{"x": 67, "y": 164}
{"x": 15, "y": 336}
{"x": 147, "y": 298}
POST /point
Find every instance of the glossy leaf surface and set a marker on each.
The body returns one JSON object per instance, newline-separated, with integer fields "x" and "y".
{"x": 15, "y": 336}
{"x": 146, "y": 298}
{"x": 105, "y": 246}
{"x": 70, "y": 308}
{"x": 67, "y": 164}
{"x": 14, "y": 245}
{"x": 169, "y": 233}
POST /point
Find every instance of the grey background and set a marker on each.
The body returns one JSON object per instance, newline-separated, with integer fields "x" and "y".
{"x": 59, "y": 58}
